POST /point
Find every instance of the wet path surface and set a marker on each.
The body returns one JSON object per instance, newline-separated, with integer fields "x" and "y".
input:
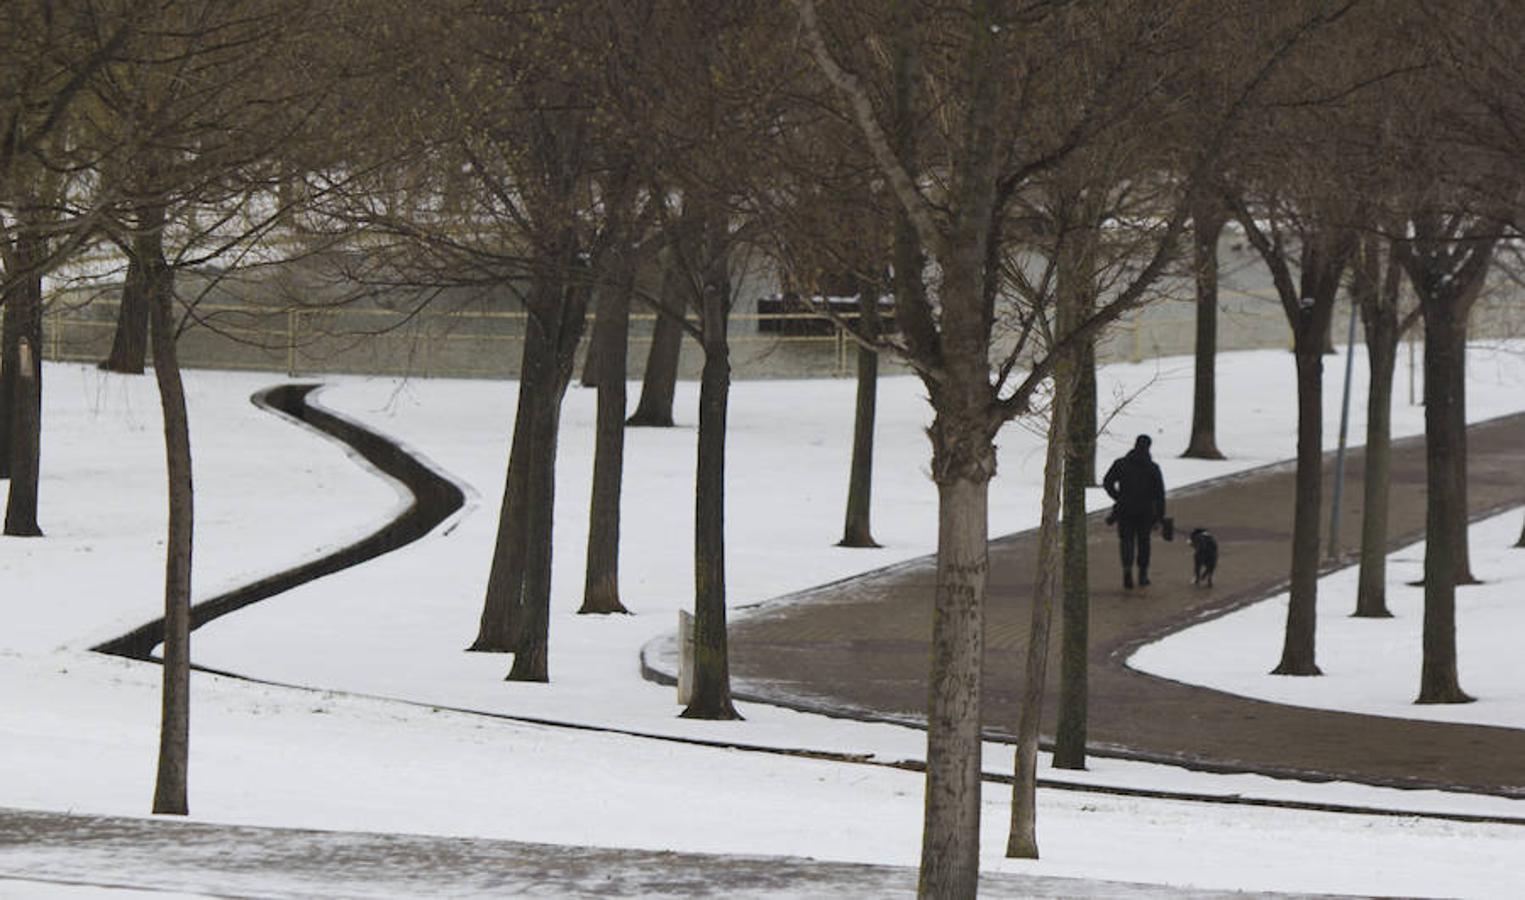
{"x": 244, "y": 861}
{"x": 859, "y": 647}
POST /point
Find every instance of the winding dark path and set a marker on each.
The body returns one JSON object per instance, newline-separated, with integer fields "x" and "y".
{"x": 859, "y": 647}
{"x": 435, "y": 498}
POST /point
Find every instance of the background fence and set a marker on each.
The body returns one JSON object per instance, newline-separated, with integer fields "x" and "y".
{"x": 229, "y": 331}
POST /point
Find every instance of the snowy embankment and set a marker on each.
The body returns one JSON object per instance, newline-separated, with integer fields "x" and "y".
{"x": 77, "y": 731}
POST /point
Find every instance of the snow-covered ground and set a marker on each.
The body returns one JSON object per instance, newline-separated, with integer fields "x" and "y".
{"x": 77, "y": 731}
{"x": 1372, "y": 665}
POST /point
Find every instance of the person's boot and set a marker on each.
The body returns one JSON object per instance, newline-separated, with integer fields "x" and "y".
{"x": 1143, "y": 577}
{"x": 1127, "y": 579}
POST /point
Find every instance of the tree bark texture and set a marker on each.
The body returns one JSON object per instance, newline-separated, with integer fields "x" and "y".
{"x": 1083, "y": 411}
{"x": 1297, "y": 653}
{"x": 601, "y": 584}
{"x": 1022, "y": 843}
{"x": 660, "y": 380}
{"x": 1076, "y": 300}
{"x": 496, "y": 630}
{"x": 603, "y": 321}
{"x": 557, "y": 325}
{"x": 1371, "y": 595}
{"x": 532, "y": 629}
{"x": 23, "y": 432}
{"x": 712, "y": 668}
{"x": 1377, "y": 293}
{"x": 1461, "y": 543}
{"x": 1444, "y": 346}
{"x": 963, "y": 461}
{"x": 1308, "y": 304}
{"x": 950, "y": 833}
{"x": 170, "y": 787}
{"x": 1447, "y": 262}
{"x": 1070, "y": 734}
{"x": 856, "y": 531}
{"x": 129, "y": 343}
{"x": 1207, "y": 225}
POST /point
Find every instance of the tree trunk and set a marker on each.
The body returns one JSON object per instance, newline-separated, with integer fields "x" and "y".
{"x": 558, "y": 326}
{"x": 532, "y": 628}
{"x": 1076, "y": 300}
{"x": 1461, "y": 554}
{"x": 950, "y": 849}
{"x": 963, "y": 461}
{"x": 1022, "y": 843}
{"x": 174, "y": 726}
{"x": 129, "y": 345}
{"x": 10, "y": 350}
{"x": 1379, "y": 314}
{"x": 601, "y": 586}
{"x": 23, "y": 332}
{"x": 1371, "y": 596}
{"x": 1083, "y": 416}
{"x": 1447, "y": 263}
{"x": 660, "y": 380}
{"x": 855, "y": 530}
{"x": 505, "y": 579}
{"x": 1297, "y": 655}
{"x": 1207, "y": 225}
{"x": 1521, "y": 541}
{"x": 712, "y": 668}
{"x": 602, "y": 322}
{"x": 1070, "y": 737}
{"x": 1443, "y": 347}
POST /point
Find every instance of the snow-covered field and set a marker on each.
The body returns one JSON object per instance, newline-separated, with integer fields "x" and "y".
{"x": 380, "y": 741}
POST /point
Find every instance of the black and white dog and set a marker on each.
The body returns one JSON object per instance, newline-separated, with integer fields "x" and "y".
{"x": 1204, "y": 555}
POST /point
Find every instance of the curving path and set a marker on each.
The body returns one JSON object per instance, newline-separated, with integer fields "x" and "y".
{"x": 435, "y": 499}
{"x": 859, "y": 647}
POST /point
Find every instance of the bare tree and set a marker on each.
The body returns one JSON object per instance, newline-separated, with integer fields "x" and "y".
{"x": 22, "y": 378}
{"x": 1207, "y": 221}
{"x": 198, "y": 110}
{"x": 1301, "y": 189}
{"x": 171, "y": 783}
{"x": 49, "y": 56}
{"x": 659, "y": 379}
{"x": 1447, "y": 259}
{"x": 1321, "y": 248}
{"x": 1376, "y": 280}
{"x": 601, "y": 593}
{"x": 857, "y": 530}
{"x": 999, "y": 124}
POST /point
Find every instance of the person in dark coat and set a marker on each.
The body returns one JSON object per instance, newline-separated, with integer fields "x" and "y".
{"x": 1136, "y": 486}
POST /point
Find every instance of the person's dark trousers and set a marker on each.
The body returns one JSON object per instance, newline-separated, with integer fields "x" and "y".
{"x": 1133, "y": 541}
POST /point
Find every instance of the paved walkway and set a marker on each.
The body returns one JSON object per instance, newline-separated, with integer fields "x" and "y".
{"x": 859, "y": 647}
{"x": 42, "y": 848}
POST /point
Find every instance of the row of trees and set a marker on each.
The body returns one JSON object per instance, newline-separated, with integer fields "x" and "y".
{"x": 1014, "y": 176}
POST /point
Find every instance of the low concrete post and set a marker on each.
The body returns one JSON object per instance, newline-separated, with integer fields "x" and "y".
{"x": 685, "y": 657}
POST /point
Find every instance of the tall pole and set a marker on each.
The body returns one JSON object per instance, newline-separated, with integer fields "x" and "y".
{"x": 1339, "y": 456}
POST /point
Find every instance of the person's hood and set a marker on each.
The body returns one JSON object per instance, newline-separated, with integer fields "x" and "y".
{"x": 1139, "y": 454}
